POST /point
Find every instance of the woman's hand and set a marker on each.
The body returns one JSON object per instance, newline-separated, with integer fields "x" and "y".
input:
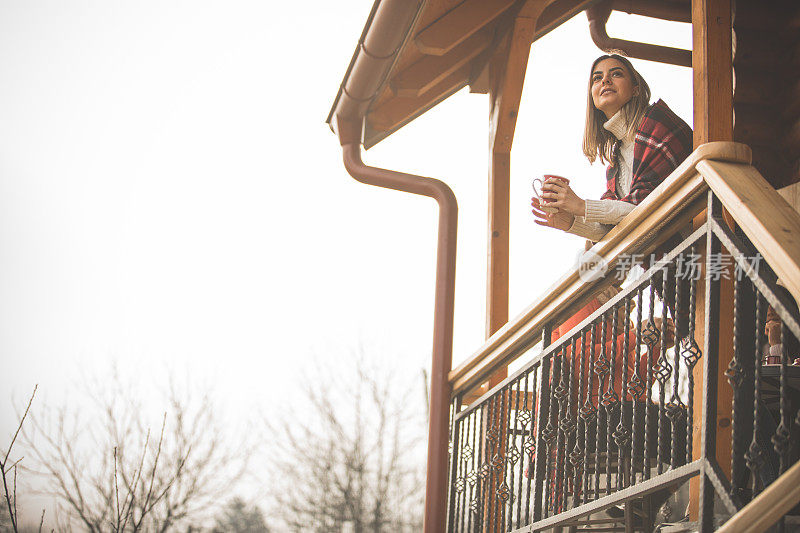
{"x": 561, "y": 195}
{"x": 559, "y": 220}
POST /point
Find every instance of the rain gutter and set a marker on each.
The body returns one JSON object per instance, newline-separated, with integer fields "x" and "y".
{"x": 385, "y": 34}
{"x": 388, "y": 29}
{"x": 599, "y": 13}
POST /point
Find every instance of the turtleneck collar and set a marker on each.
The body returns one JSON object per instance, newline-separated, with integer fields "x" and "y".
{"x": 617, "y": 125}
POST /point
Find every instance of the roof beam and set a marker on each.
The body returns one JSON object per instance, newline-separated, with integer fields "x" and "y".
{"x": 458, "y": 24}
{"x": 398, "y": 111}
{"x": 558, "y": 12}
{"x": 508, "y": 93}
{"x": 430, "y": 70}
{"x": 533, "y": 8}
{"x": 479, "y": 79}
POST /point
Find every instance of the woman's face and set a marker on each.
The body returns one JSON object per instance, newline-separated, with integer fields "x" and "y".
{"x": 612, "y": 86}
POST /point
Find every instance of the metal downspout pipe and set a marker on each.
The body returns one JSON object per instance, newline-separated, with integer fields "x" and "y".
{"x": 435, "y": 518}
{"x": 599, "y": 13}
{"x": 389, "y": 27}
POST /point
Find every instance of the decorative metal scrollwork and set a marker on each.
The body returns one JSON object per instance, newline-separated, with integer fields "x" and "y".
{"x": 549, "y": 434}
{"x": 755, "y": 458}
{"x": 650, "y": 334}
{"x": 576, "y": 456}
{"x": 466, "y": 453}
{"x": 675, "y": 410}
{"x": 601, "y": 366}
{"x": 503, "y": 492}
{"x": 567, "y": 424}
{"x": 734, "y": 373}
{"x": 690, "y": 351}
{"x": 497, "y": 461}
{"x": 530, "y": 446}
{"x": 610, "y": 397}
{"x": 621, "y": 434}
{"x": 780, "y": 440}
{"x": 560, "y": 391}
{"x": 513, "y": 455}
{"x": 636, "y": 386}
{"x": 493, "y": 433}
{"x": 588, "y": 411}
{"x": 662, "y": 369}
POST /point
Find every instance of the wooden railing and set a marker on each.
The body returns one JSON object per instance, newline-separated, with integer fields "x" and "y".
{"x": 672, "y": 204}
{"x": 776, "y": 500}
{"x": 614, "y": 411}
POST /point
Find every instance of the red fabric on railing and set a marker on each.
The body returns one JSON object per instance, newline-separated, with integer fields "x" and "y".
{"x": 621, "y": 348}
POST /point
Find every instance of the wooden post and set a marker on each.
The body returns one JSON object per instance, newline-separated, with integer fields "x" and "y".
{"x": 506, "y": 74}
{"x": 497, "y": 269}
{"x": 712, "y": 63}
{"x": 506, "y": 77}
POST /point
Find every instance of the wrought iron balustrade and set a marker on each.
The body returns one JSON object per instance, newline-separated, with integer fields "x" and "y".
{"x": 622, "y": 408}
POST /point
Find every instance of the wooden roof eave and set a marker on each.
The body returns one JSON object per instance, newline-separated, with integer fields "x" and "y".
{"x": 398, "y": 109}
{"x": 368, "y": 69}
{"x": 451, "y": 48}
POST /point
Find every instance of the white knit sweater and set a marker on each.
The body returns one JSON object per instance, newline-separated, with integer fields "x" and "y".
{"x": 602, "y": 215}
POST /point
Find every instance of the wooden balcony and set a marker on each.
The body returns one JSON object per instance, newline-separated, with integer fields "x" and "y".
{"x": 621, "y": 409}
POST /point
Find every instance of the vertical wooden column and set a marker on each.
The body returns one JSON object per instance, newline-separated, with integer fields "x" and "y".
{"x": 497, "y": 268}
{"x": 506, "y": 78}
{"x": 712, "y": 63}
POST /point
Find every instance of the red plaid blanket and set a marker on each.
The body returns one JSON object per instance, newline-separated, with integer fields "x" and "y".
{"x": 662, "y": 142}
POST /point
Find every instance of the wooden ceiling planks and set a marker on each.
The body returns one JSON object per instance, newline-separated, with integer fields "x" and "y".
{"x": 459, "y": 24}
{"x": 397, "y": 111}
{"x": 432, "y": 69}
{"x": 434, "y": 10}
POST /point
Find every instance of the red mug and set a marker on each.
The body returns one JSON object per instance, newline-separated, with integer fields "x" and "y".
{"x": 537, "y": 191}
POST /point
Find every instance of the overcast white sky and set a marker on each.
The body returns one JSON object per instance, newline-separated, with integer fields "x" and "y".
{"x": 170, "y": 194}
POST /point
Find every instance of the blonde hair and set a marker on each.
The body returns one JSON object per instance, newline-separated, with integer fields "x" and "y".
{"x": 598, "y": 142}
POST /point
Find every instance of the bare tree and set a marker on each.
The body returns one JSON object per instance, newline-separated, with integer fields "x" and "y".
{"x": 350, "y": 457}
{"x": 9, "y": 475}
{"x": 239, "y": 517}
{"x": 110, "y": 472}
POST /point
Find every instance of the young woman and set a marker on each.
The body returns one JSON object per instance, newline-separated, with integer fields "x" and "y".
{"x": 642, "y": 143}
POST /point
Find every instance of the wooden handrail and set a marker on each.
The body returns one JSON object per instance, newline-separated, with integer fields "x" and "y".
{"x": 771, "y": 224}
{"x": 776, "y": 500}
{"x": 639, "y": 227}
